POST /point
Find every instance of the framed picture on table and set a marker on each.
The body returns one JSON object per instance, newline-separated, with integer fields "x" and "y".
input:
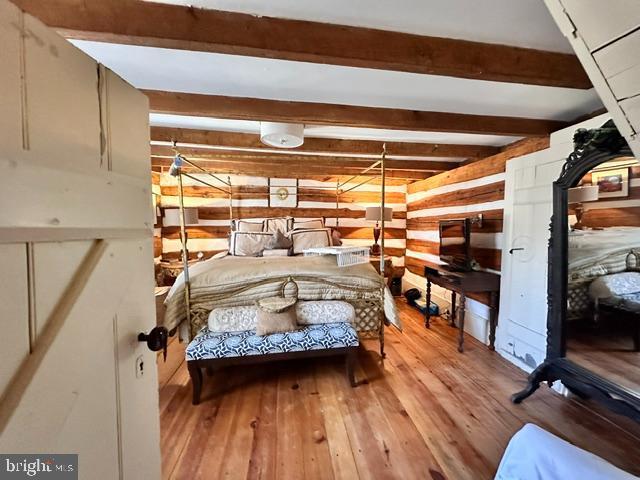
{"x": 611, "y": 183}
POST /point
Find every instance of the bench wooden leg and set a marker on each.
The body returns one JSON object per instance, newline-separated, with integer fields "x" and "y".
{"x": 350, "y": 363}
{"x": 196, "y": 379}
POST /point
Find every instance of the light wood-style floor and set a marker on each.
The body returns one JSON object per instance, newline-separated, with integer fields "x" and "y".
{"x": 427, "y": 413}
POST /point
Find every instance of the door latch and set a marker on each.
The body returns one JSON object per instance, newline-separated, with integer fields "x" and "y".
{"x": 515, "y": 249}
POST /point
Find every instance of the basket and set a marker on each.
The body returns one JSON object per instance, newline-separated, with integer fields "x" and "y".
{"x": 345, "y": 256}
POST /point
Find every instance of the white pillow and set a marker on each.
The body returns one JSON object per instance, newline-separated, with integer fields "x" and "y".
{"x": 245, "y": 226}
{"x": 313, "y": 312}
{"x": 248, "y": 244}
{"x": 303, "y": 239}
{"x": 615, "y": 284}
{"x": 278, "y": 223}
{"x": 308, "y": 223}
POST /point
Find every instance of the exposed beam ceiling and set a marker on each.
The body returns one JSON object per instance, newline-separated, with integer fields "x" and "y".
{"x": 287, "y": 168}
{"x": 292, "y": 159}
{"x": 177, "y": 27}
{"x": 239, "y": 108}
{"x": 329, "y": 145}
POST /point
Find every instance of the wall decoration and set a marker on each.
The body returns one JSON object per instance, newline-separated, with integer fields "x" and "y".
{"x": 283, "y": 192}
{"x": 611, "y": 183}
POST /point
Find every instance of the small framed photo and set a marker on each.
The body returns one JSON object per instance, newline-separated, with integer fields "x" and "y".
{"x": 611, "y": 183}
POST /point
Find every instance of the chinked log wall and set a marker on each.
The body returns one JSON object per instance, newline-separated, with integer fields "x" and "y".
{"x": 464, "y": 192}
{"x": 251, "y": 202}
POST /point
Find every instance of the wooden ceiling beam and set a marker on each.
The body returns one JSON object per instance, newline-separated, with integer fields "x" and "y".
{"x": 287, "y": 169}
{"x": 243, "y": 108}
{"x": 203, "y": 154}
{"x": 326, "y": 145}
{"x": 135, "y": 22}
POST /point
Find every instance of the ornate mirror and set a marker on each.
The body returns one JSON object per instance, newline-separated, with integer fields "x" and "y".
{"x": 593, "y": 323}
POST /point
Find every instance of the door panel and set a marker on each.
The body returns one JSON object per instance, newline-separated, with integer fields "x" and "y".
{"x": 14, "y": 309}
{"x": 83, "y": 392}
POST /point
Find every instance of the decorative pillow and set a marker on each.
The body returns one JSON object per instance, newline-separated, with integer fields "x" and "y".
{"x": 248, "y": 244}
{"x": 232, "y": 319}
{"x": 311, "y": 223}
{"x": 246, "y": 226}
{"x": 615, "y": 284}
{"x": 279, "y": 240}
{"x": 279, "y": 223}
{"x": 324, "y": 311}
{"x": 276, "y": 315}
{"x": 303, "y": 239}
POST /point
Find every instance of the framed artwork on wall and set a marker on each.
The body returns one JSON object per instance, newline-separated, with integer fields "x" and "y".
{"x": 283, "y": 192}
{"x": 611, "y": 183}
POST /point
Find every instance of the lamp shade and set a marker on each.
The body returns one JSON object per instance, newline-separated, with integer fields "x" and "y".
{"x": 281, "y": 135}
{"x": 583, "y": 194}
{"x": 373, "y": 214}
{"x": 172, "y": 217}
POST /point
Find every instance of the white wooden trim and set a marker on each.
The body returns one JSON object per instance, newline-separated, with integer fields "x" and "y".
{"x": 64, "y": 234}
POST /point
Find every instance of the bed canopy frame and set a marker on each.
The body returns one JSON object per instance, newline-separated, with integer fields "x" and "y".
{"x": 374, "y": 171}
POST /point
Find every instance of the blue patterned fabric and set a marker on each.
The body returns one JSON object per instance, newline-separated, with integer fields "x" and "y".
{"x": 629, "y": 302}
{"x": 207, "y": 345}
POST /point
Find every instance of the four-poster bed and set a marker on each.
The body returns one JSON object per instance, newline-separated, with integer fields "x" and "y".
{"x": 228, "y": 281}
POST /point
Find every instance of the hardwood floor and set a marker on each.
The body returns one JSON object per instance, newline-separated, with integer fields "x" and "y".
{"x": 428, "y": 412}
{"x": 607, "y": 352}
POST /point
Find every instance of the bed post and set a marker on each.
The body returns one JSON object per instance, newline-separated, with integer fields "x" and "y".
{"x": 382, "y": 259}
{"x": 337, "y": 202}
{"x": 230, "y": 202}
{"x": 183, "y": 240}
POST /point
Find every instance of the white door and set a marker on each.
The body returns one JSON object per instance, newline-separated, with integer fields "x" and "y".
{"x": 522, "y": 327}
{"x": 522, "y": 332}
{"x": 76, "y": 256}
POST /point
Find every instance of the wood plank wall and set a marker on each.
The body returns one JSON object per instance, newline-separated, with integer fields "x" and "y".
{"x": 467, "y": 191}
{"x": 251, "y": 202}
{"x": 157, "y": 231}
{"x": 615, "y": 212}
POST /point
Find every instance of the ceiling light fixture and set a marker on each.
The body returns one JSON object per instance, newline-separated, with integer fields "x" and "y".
{"x": 281, "y": 135}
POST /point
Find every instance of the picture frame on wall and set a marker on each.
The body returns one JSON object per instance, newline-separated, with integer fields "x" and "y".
{"x": 612, "y": 183}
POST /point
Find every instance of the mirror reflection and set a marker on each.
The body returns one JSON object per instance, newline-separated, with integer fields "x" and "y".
{"x": 603, "y": 295}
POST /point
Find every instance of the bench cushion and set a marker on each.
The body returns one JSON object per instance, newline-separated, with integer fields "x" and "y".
{"x": 208, "y": 345}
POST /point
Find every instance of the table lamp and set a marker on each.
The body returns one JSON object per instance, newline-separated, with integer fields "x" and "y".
{"x": 373, "y": 214}
{"x": 577, "y": 196}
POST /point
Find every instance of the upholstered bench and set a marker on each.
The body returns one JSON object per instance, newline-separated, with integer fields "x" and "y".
{"x": 210, "y": 349}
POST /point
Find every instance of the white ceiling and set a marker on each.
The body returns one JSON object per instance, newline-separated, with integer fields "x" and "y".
{"x": 523, "y": 23}
{"x": 240, "y": 76}
{"x": 514, "y": 22}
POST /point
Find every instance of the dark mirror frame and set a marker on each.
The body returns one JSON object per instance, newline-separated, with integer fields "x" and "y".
{"x": 591, "y": 148}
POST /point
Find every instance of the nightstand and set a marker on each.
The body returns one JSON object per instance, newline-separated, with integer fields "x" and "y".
{"x": 388, "y": 266}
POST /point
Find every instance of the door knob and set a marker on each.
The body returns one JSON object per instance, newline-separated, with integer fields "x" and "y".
{"x": 156, "y": 340}
{"x": 515, "y": 249}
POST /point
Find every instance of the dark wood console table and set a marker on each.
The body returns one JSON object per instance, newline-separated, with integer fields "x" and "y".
{"x": 464, "y": 283}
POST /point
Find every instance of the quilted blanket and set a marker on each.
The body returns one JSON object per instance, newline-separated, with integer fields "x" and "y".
{"x": 236, "y": 281}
